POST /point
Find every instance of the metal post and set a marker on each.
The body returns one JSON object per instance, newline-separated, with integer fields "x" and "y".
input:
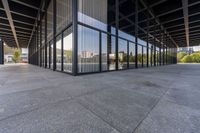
{"x": 154, "y": 46}
{"x": 54, "y": 35}
{"x": 147, "y": 39}
{"x": 40, "y": 38}
{"x": 45, "y": 15}
{"x": 136, "y": 33}
{"x": 75, "y": 37}
{"x": 100, "y": 52}
{"x": 160, "y": 48}
{"x": 128, "y": 54}
{"x": 62, "y": 53}
{"x": 1, "y": 52}
{"x": 142, "y": 56}
{"x": 117, "y": 27}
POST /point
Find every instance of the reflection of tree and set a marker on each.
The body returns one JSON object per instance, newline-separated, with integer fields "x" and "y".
{"x": 139, "y": 57}
{"x": 68, "y": 55}
{"x": 123, "y": 58}
{"x": 131, "y": 57}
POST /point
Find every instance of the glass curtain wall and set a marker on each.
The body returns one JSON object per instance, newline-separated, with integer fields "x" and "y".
{"x": 64, "y": 40}
{"x": 43, "y": 42}
{"x": 104, "y": 52}
{"x": 51, "y": 54}
{"x": 131, "y": 55}
{"x": 88, "y": 50}
{"x": 92, "y": 13}
{"x": 122, "y": 54}
{"x": 59, "y": 53}
{"x": 139, "y": 55}
{"x": 112, "y": 53}
{"x": 144, "y": 56}
{"x": 50, "y": 34}
{"x": 67, "y": 50}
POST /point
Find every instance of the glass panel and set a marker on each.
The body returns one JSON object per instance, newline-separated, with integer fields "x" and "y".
{"x": 157, "y": 58}
{"x": 150, "y": 56}
{"x": 122, "y": 54}
{"x": 162, "y": 52}
{"x": 88, "y": 50}
{"x": 112, "y": 54}
{"x": 139, "y": 56}
{"x": 104, "y": 52}
{"x": 58, "y": 52}
{"x": 50, "y": 21}
{"x": 144, "y": 56}
{"x": 131, "y": 55}
{"x": 93, "y": 13}
{"x": 48, "y": 55}
{"x": 51, "y": 61}
{"x": 67, "y": 50}
{"x": 64, "y": 14}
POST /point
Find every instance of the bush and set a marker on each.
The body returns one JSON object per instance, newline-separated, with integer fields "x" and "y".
{"x": 16, "y": 57}
{"x": 193, "y": 58}
{"x": 187, "y": 59}
{"x": 180, "y": 56}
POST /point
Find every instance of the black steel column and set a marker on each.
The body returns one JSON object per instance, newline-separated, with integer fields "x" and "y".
{"x": 152, "y": 55}
{"x": 117, "y": 28}
{"x": 147, "y": 39}
{"x": 37, "y": 46}
{"x": 128, "y": 54}
{"x": 54, "y": 35}
{"x": 41, "y": 54}
{"x": 62, "y": 52}
{"x": 45, "y": 34}
{"x": 1, "y": 52}
{"x": 160, "y": 47}
{"x": 142, "y": 56}
{"x": 75, "y": 36}
{"x": 100, "y": 52}
{"x": 136, "y": 33}
{"x": 154, "y": 47}
{"x": 163, "y": 47}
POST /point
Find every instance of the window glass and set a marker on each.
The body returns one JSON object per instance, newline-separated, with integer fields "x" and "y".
{"x": 88, "y": 50}
{"x": 67, "y": 50}
{"x": 93, "y": 13}
{"x": 111, "y": 53}
{"x": 64, "y": 14}
{"x": 58, "y": 53}
{"x": 139, "y": 56}
{"x": 122, "y": 54}
{"x": 131, "y": 55}
{"x": 104, "y": 52}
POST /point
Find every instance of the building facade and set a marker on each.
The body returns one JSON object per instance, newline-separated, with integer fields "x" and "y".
{"x": 91, "y": 36}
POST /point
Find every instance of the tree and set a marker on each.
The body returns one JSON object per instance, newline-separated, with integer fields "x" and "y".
{"x": 16, "y": 56}
{"x": 195, "y": 57}
{"x": 187, "y": 59}
{"x": 180, "y": 56}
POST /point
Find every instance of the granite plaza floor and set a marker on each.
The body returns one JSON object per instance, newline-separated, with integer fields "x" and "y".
{"x": 155, "y": 100}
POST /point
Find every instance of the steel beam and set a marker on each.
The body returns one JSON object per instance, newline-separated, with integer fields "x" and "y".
{"x": 158, "y": 21}
{"x": 186, "y": 21}
{"x": 7, "y": 9}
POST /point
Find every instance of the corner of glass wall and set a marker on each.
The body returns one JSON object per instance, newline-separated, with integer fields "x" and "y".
{"x": 64, "y": 35}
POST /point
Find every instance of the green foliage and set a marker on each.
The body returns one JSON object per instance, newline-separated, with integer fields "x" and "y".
{"x": 16, "y": 56}
{"x": 193, "y": 58}
{"x": 139, "y": 58}
{"x": 180, "y": 56}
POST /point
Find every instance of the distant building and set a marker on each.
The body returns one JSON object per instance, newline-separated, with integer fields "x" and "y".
{"x": 189, "y": 50}
{"x": 8, "y": 58}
